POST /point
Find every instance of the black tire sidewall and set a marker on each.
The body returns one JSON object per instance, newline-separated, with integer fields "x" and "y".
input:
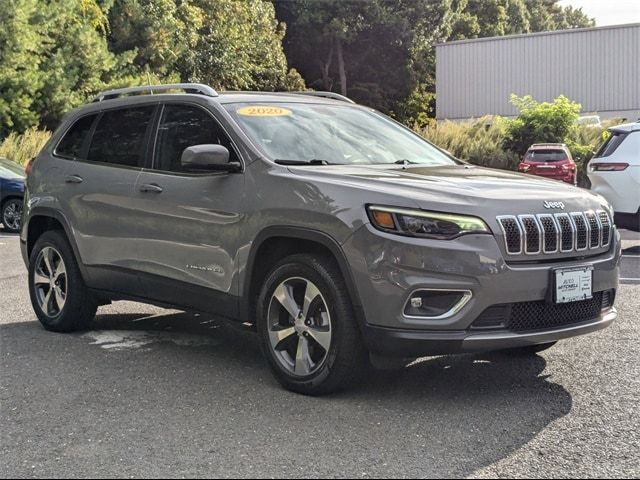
{"x": 340, "y": 310}
{"x": 77, "y": 308}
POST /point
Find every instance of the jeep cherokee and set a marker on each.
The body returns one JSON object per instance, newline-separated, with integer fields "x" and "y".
{"x": 341, "y": 235}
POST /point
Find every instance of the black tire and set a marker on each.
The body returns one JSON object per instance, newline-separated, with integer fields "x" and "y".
{"x": 529, "y": 350}
{"x": 346, "y": 357}
{"x": 79, "y": 308}
{"x": 14, "y": 226}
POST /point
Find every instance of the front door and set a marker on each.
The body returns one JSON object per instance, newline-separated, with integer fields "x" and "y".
{"x": 188, "y": 223}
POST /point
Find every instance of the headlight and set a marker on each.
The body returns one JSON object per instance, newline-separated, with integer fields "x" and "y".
{"x": 418, "y": 223}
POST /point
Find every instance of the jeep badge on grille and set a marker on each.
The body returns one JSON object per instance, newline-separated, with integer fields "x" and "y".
{"x": 554, "y": 205}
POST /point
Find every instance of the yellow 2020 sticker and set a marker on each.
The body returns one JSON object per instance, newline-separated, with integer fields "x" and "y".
{"x": 263, "y": 111}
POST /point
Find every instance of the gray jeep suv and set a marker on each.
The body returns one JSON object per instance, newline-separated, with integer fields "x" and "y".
{"x": 342, "y": 236}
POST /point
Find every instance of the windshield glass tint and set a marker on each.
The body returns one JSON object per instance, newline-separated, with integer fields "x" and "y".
{"x": 332, "y": 133}
{"x": 546, "y": 155}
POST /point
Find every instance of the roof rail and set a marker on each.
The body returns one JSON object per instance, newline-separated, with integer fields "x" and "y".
{"x": 331, "y": 95}
{"x": 549, "y": 145}
{"x": 196, "y": 88}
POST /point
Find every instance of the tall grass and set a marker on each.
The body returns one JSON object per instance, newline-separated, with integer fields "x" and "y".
{"x": 22, "y": 148}
{"x": 478, "y": 141}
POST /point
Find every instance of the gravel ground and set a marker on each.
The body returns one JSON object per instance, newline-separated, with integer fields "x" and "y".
{"x": 153, "y": 392}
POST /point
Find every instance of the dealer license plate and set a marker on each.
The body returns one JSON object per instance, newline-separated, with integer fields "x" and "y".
{"x": 574, "y": 284}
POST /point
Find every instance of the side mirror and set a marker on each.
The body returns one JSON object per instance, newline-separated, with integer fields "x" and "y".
{"x": 208, "y": 158}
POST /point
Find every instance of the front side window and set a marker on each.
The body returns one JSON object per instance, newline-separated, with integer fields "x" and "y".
{"x": 73, "y": 143}
{"x": 337, "y": 134}
{"x": 183, "y": 126}
{"x": 119, "y": 137}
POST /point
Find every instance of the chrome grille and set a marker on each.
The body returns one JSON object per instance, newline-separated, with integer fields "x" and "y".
{"x": 605, "y": 223}
{"x": 562, "y": 232}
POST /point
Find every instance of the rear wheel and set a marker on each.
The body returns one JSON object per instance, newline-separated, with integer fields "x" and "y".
{"x": 58, "y": 294}
{"x": 307, "y": 328}
{"x": 12, "y": 215}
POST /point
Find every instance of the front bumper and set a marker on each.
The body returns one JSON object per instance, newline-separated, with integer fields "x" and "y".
{"x": 388, "y": 269}
{"x": 411, "y": 343}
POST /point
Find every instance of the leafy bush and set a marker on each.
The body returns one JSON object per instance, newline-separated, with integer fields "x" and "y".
{"x": 541, "y": 122}
{"x": 477, "y": 141}
{"x": 22, "y": 148}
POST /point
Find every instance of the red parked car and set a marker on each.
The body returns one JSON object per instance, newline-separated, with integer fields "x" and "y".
{"x": 550, "y": 160}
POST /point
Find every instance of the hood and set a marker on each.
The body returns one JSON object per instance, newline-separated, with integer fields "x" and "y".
{"x": 463, "y": 187}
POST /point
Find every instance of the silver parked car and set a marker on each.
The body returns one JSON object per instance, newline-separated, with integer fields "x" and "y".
{"x": 341, "y": 235}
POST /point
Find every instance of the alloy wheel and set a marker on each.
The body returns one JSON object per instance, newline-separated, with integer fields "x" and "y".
{"x": 50, "y": 282}
{"x": 299, "y": 326}
{"x": 12, "y": 215}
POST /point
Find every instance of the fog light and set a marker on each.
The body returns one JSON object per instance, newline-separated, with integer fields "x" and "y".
{"x": 436, "y": 304}
{"x": 416, "y": 302}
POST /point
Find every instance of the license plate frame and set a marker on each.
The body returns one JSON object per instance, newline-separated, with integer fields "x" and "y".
{"x": 573, "y": 284}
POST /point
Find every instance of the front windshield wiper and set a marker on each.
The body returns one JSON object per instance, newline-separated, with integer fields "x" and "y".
{"x": 315, "y": 161}
{"x": 404, "y": 161}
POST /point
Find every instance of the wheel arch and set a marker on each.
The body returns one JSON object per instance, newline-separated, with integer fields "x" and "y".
{"x": 273, "y": 243}
{"x": 42, "y": 220}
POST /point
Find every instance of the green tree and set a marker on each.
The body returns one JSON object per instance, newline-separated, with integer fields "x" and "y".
{"x": 162, "y": 35}
{"x": 19, "y": 60}
{"x": 546, "y": 122}
{"x": 75, "y": 62}
{"x": 240, "y": 48}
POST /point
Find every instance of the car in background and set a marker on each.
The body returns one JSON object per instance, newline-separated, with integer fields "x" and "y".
{"x": 12, "y": 178}
{"x": 614, "y": 172}
{"x": 550, "y": 160}
{"x": 590, "y": 121}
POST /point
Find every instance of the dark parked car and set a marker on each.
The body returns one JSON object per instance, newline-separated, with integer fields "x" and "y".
{"x": 550, "y": 160}
{"x": 11, "y": 194}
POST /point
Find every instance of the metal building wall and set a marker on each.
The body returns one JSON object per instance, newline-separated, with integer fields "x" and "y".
{"x": 598, "y": 67}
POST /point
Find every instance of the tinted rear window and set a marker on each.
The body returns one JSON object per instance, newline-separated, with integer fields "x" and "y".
{"x": 73, "y": 142}
{"x": 120, "y": 135}
{"x": 546, "y": 155}
{"x": 611, "y": 144}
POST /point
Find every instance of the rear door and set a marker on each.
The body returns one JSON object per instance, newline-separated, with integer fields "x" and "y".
{"x": 189, "y": 223}
{"x": 100, "y": 183}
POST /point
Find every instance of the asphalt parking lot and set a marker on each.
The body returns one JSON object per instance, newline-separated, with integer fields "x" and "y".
{"x": 152, "y": 392}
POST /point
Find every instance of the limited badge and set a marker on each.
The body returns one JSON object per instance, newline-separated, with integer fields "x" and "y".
{"x": 263, "y": 111}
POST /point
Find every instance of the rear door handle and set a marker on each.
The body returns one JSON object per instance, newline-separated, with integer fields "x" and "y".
{"x": 74, "y": 179}
{"x": 150, "y": 188}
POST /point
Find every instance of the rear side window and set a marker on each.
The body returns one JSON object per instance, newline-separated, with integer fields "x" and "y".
{"x": 183, "y": 126}
{"x": 546, "y": 155}
{"x": 119, "y": 137}
{"x": 73, "y": 144}
{"x": 611, "y": 145}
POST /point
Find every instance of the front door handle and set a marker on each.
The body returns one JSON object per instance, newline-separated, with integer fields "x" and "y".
{"x": 74, "y": 179}
{"x": 150, "y": 188}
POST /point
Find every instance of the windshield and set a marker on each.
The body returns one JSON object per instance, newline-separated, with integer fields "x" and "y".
{"x": 10, "y": 170}
{"x": 333, "y": 134}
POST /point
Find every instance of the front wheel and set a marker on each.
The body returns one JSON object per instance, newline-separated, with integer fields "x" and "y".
{"x": 307, "y": 327}
{"x": 12, "y": 215}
